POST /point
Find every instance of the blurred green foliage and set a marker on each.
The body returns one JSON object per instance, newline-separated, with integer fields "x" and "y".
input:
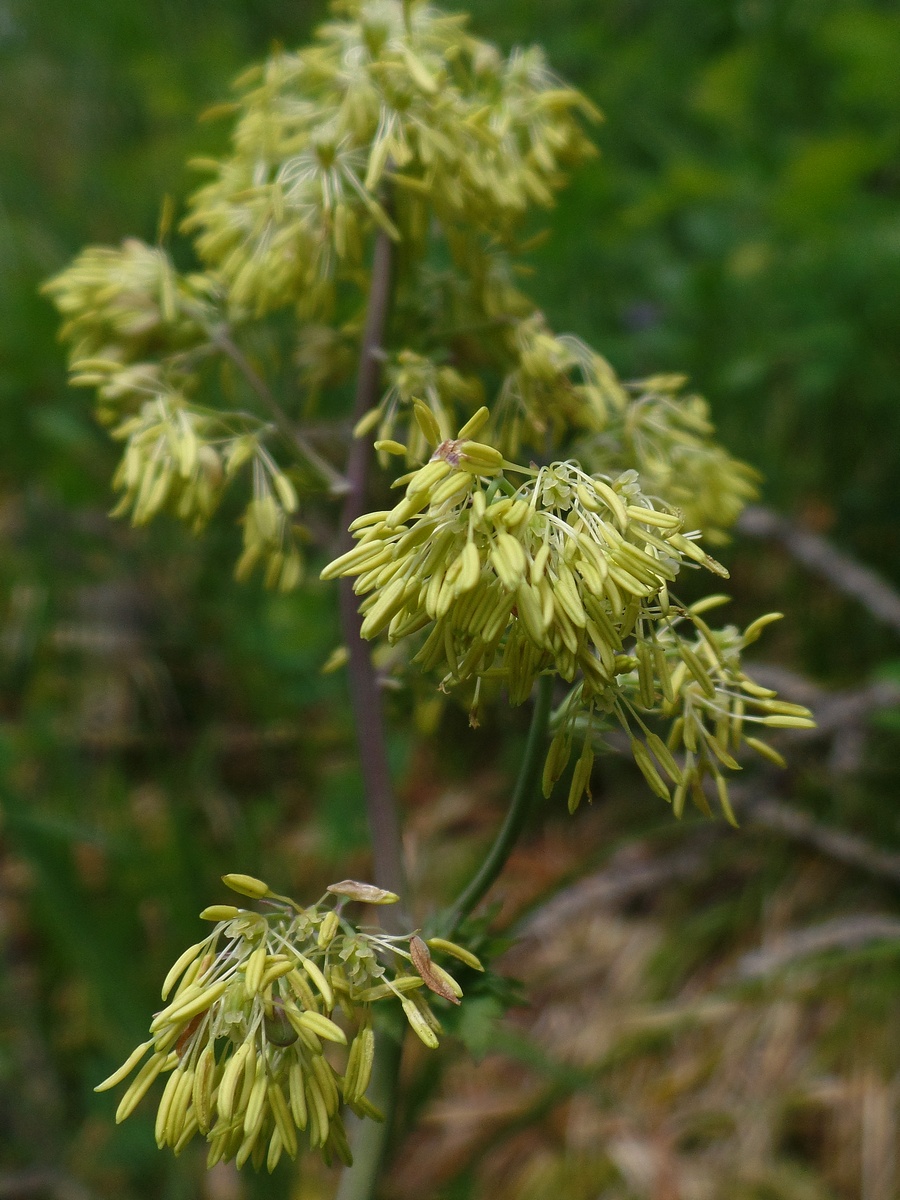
{"x": 161, "y": 724}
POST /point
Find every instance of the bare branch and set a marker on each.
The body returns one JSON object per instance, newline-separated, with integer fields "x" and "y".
{"x": 844, "y": 933}
{"x": 813, "y": 551}
{"x": 616, "y": 884}
{"x": 833, "y": 843}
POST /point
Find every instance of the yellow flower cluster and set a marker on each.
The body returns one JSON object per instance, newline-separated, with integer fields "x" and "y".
{"x": 552, "y": 575}
{"x": 133, "y": 324}
{"x": 697, "y": 684}
{"x": 396, "y": 98}
{"x": 560, "y": 393}
{"x": 568, "y": 573}
{"x": 139, "y": 333}
{"x": 398, "y": 92}
{"x": 122, "y": 304}
{"x": 168, "y": 462}
{"x": 560, "y": 388}
{"x": 556, "y": 386}
{"x": 179, "y": 458}
{"x": 255, "y": 1003}
{"x": 670, "y": 439}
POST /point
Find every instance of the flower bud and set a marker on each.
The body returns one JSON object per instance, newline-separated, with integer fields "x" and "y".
{"x": 247, "y": 885}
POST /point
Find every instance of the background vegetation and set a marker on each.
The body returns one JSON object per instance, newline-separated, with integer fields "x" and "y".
{"x": 161, "y": 724}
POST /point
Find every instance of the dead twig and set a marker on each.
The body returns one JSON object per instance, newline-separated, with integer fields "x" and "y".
{"x": 815, "y": 552}
{"x": 833, "y": 843}
{"x": 616, "y": 885}
{"x": 844, "y": 933}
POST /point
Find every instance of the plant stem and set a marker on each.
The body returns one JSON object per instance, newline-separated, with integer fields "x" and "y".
{"x": 365, "y": 695}
{"x": 517, "y": 813}
{"x": 283, "y": 423}
{"x": 368, "y": 1138}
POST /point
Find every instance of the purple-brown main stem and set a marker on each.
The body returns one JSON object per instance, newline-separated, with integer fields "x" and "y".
{"x": 365, "y": 694}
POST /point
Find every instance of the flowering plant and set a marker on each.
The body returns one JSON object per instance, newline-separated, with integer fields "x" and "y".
{"x": 370, "y": 222}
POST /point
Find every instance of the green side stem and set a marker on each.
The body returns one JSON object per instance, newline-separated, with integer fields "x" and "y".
{"x": 517, "y": 813}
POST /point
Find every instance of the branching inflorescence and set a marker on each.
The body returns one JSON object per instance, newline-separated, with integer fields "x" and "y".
{"x": 548, "y": 510}
{"x": 567, "y": 573}
{"x": 254, "y": 1005}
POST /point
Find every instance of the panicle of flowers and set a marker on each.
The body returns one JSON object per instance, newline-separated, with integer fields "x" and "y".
{"x": 137, "y": 328}
{"x": 397, "y": 119}
{"x": 557, "y": 387}
{"x": 140, "y": 334}
{"x": 254, "y": 1005}
{"x": 670, "y": 439}
{"x": 407, "y": 96}
{"x": 560, "y": 388}
{"x": 169, "y": 462}
{"x": 279, "y": 236}
{"x": 696, "y": 683}
{"x": 179, "y": 458}
{"x": 121, "y": 304}
{"x": 512, "y": 581}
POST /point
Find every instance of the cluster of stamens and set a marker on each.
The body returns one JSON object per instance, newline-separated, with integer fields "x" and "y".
{"x": 255, "y": 1005}
{"x": 567, "y": 573}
